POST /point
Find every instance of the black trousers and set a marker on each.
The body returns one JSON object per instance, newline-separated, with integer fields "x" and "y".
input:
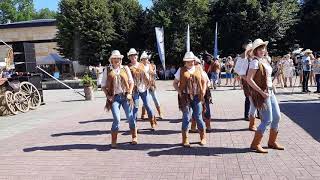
{"x": 246, "y": 107}
{"x": 318, "y": 82}
{"x": 305, "y": 80}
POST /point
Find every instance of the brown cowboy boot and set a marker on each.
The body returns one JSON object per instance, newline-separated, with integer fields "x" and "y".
{"x": 143, "y": 113}
{"x": 153, "y": 123}
{"x": 252, "y": 123}
{"x": 203, "y": 140}
{"x": 134, "y": 136}
{"x": 255, "y": 145}
{"x": 208, "y": 124}
{"x": 272, "y": 140}
{"x": 193, "y": 126}
{"x": 159, "y": 112}
{"x": 114, "y": 139}
{"x": 185, "y": 140}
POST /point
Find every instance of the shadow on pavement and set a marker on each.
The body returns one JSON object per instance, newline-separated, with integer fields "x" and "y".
{"x": 97, "y": 120}
{"x": 227, "y": 130}
{"x": 156, "y": 132}
{"x": 199, "y": 151}
{"x": 306, "y": 115}
{"x": 82, "y": 133}
{"x": 227, "y": 120}
{"x": 301, "y": 100}
{"x": 69, "y": 147}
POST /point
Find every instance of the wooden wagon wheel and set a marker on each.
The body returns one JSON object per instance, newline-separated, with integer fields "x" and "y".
{"x": 9, "y": 99}
{"x": 32, "y": 94}
{"x": 21, "y": 102}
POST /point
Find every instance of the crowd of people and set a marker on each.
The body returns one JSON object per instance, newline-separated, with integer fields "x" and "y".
{"x": 253, "y": 69}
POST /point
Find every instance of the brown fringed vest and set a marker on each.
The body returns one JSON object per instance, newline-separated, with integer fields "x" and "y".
{"x": 112, "y": 79}
{"x": 152, "y": 81}
{"x": 260, "y": 78}
{"x": 186, "y": 86}
{"x": 139, "y": 76}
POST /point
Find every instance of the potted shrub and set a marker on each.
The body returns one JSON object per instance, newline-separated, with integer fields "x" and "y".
{"x": 88, "y": 86}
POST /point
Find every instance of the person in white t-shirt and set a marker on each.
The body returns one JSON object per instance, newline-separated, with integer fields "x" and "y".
{"x": 190, "y": 82}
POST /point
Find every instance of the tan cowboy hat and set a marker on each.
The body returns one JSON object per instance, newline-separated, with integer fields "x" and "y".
{"x": 307, "y": 51}
{"x": 257, "y": 43}
{"x": 287, "y": 55}
{"x": 297, "y": 51}
{"x": 115, "y": 54}
{"x": 189, "y": 56}
{"x": 132, "y": 51}
{"x": 144, "y": 55}
{"x": 248, "y": 48}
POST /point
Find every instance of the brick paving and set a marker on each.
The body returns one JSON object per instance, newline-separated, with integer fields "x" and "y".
{"x": 69, "y": 139}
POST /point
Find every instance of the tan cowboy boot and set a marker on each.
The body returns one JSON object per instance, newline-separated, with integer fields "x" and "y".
{"x": 114, "y": 139}
{"x": 252, "y": 123}
{"x": 272, "y": 140}
{"x": 143, "y": 113}
{"x": 203, "y": 140}
{"x": 159, "y": 112}
{"x": 193, "y": 126}
{"x": 255, "y": 145}
{"x": 134, "y": 136}
{"x": 185, "y": 140}
{"x": 153, "y": 123}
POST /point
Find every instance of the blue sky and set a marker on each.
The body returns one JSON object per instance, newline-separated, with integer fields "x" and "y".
{"x": 53, "y": 4}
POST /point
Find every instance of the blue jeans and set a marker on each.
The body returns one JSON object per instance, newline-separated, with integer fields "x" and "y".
{"x": 145, "y": 99}
{"x": 270, "y": 115}
{"x": 215, "y": 77}
{"x": 252, "y": 109}
{"x": 154, "y": 97}
{"x": 207, "y": 113}
{"x": 120, "y": 100}
{"x": 195, "y": 110}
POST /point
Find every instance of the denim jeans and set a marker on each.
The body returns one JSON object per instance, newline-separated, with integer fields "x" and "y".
{"x": 270, "y": 115}
{"x": 145, "y": 99}
{"x": 252, "y": 109}
{"x": 153, "y": 94}
{"x": 305, "y": 80}
{"x": 195, "y": 110}
{"x": 215, "y": 78}
{"x": 120, "y": 100}
{"x": 318, "y": 82}
{"x": 207, "y": 112}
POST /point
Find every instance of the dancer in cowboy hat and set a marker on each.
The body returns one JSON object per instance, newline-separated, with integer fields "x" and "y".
{"x": 263, "y": 97}
{"x": 152, "y": 84}
{"x": 117, "y": 84}
{"x": 190, "y": 82}
{"x": 206, "y": 112}
{"x": 141, "y": 75}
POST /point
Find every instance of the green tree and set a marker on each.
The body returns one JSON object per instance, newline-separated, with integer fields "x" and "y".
{"x": 85, "y": 30}
{"x": 7, "y": 11}
{"x": 45, "y": 13}
{"x": 25, "y": 10}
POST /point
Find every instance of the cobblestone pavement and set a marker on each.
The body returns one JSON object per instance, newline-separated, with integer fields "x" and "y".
{"x": 69, "y": 138}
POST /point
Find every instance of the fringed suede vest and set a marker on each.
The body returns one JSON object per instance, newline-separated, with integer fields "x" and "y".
{"x": 152, "y": 80}
{"x": 186, "y": 86}
{"x": 139, "y": 76}
{"x": 112, "y": 79}
{"x": 260, "y": 78}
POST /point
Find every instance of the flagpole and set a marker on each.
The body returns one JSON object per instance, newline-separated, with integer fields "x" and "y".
{"x": 188, "y": 39}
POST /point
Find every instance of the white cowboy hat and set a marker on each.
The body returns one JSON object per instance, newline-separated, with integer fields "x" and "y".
{"x": 307, "y": 51}
{"x": 132, "y": 51}
{"x": 189, "y": 56}
{"x": 259, "y": 42}
{"x": 115, "y": 54}
{"x": 197, "y": 60}
{"x": 248, "y": 48}
{"x": 287, "y": 55}
{"x": 144, "y": 55}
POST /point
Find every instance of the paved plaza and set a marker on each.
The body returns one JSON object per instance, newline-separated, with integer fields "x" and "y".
{"x": 69, "y": 138}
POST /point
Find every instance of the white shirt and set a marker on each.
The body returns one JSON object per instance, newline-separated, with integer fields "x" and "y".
{"x": 254, "y": 64}
{"x": 241, "y": 66}
{"x": 117, "y": 87}
{"x": 142, "y": 87}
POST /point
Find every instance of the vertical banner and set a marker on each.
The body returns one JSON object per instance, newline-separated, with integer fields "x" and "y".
{"x": 160, "y": 44}
{"x": 215, "y": 51}
{"x": 188, "y": 39}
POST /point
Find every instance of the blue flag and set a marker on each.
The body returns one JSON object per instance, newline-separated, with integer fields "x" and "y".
{"x": 215, "y": 51}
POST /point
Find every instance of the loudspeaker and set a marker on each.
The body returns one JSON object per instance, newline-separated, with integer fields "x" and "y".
{"x": 24, "y": 57}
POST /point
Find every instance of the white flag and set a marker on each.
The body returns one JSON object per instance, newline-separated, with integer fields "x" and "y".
{"x": 160, "y": 44}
